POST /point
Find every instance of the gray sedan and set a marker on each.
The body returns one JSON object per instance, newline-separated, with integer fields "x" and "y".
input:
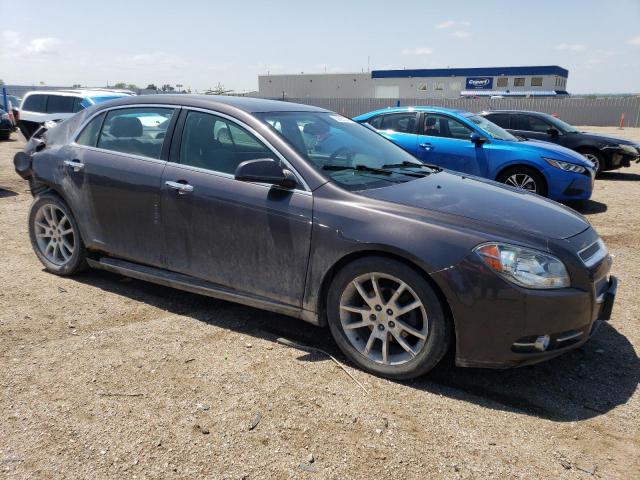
{"x": 301, "y": 211}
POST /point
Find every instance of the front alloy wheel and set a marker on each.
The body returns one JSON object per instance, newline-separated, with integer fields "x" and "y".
{"x": 386, "y": 317}
{"x": 524, "y": 178}
{"x": 383, "y": 318}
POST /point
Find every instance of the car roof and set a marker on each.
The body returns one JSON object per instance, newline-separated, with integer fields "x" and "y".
{"x": 79, "y": 93}
{"x": 456, "y": 111}
{"x": 528, "y": 112}
{"x": 246, "y": 104}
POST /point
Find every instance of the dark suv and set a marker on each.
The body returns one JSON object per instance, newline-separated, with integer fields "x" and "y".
{"x": 607, "y": 153}
{"x": 301, "y": 211}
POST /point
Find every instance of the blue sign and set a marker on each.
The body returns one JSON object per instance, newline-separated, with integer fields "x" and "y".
{"x": 479, "y": 83}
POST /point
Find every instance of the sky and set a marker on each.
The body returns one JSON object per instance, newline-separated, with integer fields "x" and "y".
{"x": 199, "y": 44}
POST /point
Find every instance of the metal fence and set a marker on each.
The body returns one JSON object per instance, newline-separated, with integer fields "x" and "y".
{"x": 606, "y": 111}
{"x": 603, "y": 112}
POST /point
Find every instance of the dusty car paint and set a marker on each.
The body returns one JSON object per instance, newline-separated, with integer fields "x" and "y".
{"x": 278, "y": 249}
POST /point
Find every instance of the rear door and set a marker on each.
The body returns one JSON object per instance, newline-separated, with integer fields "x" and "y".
{"x": 113, "y": 175}
{"x": 400, "y": 128}
{"x": 248, "y": 237}
{"x": 445, "y": 141}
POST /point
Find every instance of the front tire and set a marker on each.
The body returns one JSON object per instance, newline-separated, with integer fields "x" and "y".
{"x": 387, "y": 318}
{"x": 55, "y": 236}
{"x": 525, "y": 178}
{"x": 597, "y": 158}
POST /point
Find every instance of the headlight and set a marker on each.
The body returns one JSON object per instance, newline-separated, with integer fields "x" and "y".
{"x": 628, "y": 149}
{"x": 569, "y": 167}
{"x": 524, "y": 267}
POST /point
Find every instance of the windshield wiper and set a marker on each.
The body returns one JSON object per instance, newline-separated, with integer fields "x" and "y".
{"x": 406, "y": 163}
{"x": 361, "y": 168}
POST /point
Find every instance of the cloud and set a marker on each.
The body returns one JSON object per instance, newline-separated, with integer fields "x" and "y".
{"x": 417, "y": 51}
{"x": 571, "y": 47}
{"x": 460, "y": 34}
{"x": 452, "y": 23}
{"x": 152, "y": 59}
{"x": 10, "y": 39}
{"x": 43, "y": 46}
{"x": 635, "y": 41}
{"x": 445, "y": 24}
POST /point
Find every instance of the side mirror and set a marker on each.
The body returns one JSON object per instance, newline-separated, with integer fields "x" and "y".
{"x": 265, "y": 170}
{"x": 477, "y": 139}
{"x": 553, "y": 132}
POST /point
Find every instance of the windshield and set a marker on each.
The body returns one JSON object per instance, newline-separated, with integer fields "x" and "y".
{"x": 491, "y": 128}
{"x": 350, "y": 154}
{"x": 560, "y": 125}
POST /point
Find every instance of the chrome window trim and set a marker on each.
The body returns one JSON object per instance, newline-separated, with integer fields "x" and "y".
{"x": 122, "y": 154}
{"x": 255, "y": 134}
{"x": 228, "y": 176}
{"x": 79, "y": 130}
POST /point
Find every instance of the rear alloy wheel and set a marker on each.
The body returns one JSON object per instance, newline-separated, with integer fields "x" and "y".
{"x": 524, "y": 178}
{"x": 386, "y": 318}
{"x": 55, "y": 237}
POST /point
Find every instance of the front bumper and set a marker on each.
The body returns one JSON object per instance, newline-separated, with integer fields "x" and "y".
{"x": 565, "y": 186}
{"x": 618, "y": 158}
{"x": 497, "y": 323}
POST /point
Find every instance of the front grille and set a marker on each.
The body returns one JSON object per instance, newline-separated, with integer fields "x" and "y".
{"x": 593, "y": 253}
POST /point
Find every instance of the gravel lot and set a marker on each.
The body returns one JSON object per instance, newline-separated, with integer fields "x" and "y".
{"x": 106, "y": 377}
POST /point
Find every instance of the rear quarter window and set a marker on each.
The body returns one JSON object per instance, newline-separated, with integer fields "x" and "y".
{"x": 35, "y": 103}
{"x": 60, "y": 104}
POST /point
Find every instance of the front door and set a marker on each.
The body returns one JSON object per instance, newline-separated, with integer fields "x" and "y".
{"x": 446, "y": 142}
{"x": 249, "y": 237}
{"x": 114, "y": 175}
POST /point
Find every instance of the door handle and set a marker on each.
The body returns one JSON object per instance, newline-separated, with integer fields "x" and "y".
{"x": 76, "y": 165}
{"x": 426, "y": 146}
{"x": 182, "y": 188}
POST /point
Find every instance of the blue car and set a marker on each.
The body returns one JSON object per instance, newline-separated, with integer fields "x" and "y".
{"x": 469, "y": 143}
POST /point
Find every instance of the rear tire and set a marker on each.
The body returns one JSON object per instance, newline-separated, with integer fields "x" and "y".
{"x": 399, "y": 330}
{"x": 55, "y": 236}
{"x": 526, "y": 178}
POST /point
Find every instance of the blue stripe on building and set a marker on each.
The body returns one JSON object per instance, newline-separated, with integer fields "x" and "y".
{"x": 472, "y": 72}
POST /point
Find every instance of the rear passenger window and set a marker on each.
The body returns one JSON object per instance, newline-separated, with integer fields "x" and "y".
{"x": 60, "y": 104}
{"x": 35, "y": 103}
{"x": 399, "y": 122}
{"x": 137, "y": 131}
{"x": 212, "y": 142}
{"x": 89, "y": 136}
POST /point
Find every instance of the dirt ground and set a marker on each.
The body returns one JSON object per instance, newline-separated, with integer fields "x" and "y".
{"x": 106, "y": 377}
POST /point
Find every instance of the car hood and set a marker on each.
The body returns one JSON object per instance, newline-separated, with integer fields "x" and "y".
{"x": 487, "y": 202}
{"x": 605, "y": 139}
{"x": 556, "y": 152}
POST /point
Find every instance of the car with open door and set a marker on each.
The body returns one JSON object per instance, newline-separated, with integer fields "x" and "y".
{"x": 606, "y": 152}
{"x": 301, "y": 211}
{"x": 471, "y": 144}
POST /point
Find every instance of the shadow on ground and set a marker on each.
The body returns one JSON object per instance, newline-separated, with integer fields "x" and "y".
{"x": 581, "y": 384}
{"x": 4, "y": 193}
{"x": 588, "y": 207}
{"x": 619, "y": 176}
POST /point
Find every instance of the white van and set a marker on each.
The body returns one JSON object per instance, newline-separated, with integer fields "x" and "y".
{"x": 44, "y": 105}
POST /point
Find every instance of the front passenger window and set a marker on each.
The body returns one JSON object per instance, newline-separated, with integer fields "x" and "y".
{"x": 213, "y": 143}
